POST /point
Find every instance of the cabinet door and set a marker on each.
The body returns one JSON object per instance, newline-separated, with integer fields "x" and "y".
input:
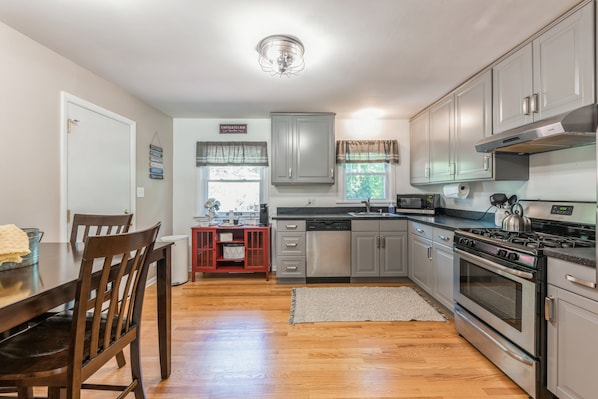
{"x": 393, "y": 254}
{"x": 512, "y": 87}
{"x": 443, "y": 284}
{"x": 473, "y": 121}
{"x": 572, "y": 349}
{"x": 365, "y": 254}
{"x": 283, "y": 149}
{"x": 441, "y": 146}
{"x": 564, "y": 65}
{"x": 315, "y": 149}
{"x": 420, "y": 262}
{"x": 419, "y": 153}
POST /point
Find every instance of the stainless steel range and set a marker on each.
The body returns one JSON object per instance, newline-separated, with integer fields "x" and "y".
{"x": 500, "y": 285}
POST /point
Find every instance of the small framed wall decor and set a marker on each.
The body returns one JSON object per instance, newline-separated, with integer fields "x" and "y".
{"x": 233, "y": 128}
{"x": 156, "y": 160}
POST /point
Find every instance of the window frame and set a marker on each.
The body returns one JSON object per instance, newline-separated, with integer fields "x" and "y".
{"x": 342, "y": 187}
{"x": 202, "y": 177}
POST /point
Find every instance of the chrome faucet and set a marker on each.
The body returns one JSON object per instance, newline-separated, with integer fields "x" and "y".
{"x": 367, "y": 204}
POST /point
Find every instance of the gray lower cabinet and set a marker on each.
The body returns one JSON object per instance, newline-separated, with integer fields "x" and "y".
{"x": 431, "y": 261}
{"x": 572, "y": 327}
{"x": 378, "y": 248}
{"x": 290, "y": 249}
{"x": 303, "y": 148}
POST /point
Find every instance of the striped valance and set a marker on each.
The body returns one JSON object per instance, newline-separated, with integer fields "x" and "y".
{"x": 367, "y": 151}
{"x": 218, "y": 153}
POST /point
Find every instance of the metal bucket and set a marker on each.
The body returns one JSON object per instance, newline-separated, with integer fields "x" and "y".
{"x": 35, "y": 236}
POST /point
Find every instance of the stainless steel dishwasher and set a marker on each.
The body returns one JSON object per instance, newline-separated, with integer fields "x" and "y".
{"x": 328, "y": 250}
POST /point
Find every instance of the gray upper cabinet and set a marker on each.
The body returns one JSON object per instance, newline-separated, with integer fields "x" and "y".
{"x": 550, "y": 75}
{"x": 419, "y": 149}
{"x": 303, "y": 149}
{"x": 443, "y": 139}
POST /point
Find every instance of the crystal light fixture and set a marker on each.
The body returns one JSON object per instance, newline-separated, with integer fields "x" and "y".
{"x": 281, "y": 55}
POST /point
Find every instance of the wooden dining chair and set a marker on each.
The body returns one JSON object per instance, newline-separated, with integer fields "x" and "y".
{"x": 64, "y": 350}
{"x": 85, "y": 225}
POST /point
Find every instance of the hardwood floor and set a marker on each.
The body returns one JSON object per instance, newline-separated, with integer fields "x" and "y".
{"x": 232, "y": 339}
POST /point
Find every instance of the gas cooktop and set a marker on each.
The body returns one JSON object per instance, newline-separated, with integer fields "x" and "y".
{"x": 537, "y": 239}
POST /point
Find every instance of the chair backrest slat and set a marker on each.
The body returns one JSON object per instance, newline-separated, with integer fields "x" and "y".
{"x": 98, "y": 225}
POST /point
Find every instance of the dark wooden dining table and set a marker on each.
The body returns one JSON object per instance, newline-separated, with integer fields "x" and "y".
{"x": 30, "y": 291}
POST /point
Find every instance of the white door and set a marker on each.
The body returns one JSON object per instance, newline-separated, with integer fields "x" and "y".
{"x": 99, "y": 148}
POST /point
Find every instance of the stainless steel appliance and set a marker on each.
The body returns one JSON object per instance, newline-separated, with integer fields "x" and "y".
{"x": 425, "y": 204}
{"x": 328, "y": 250}
{"x": 500, "y": 285}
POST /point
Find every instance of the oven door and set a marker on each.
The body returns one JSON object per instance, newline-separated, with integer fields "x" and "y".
{"x": 504, "y": 298}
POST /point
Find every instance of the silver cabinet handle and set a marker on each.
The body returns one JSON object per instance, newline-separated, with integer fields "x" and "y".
{"x": 290, "y": 244}
{"x": 430, "y": 253}
{"x": 291, "y": 226}
{"x": 535, "y": 101}
{"x": 291, "y": 267}
{"x": 525, "y": 105}
{"x": 444, "y": 238}
{"x": 383, "y": 241}
{"x": 580, "y": 281}
{"x": 427, "y": 172}
{"x": 549, "y": 308}
{"x": 377, "y": 241}
{"x": 290, "y": 173}
{"x": 419, "y": 230}
{"x": 332, "y": 173}
{"x": 487, "y": 161}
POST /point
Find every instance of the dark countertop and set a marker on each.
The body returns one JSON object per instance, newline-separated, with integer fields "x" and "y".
{"x": 451, "y": 220}
{"x": 582, "y": 256}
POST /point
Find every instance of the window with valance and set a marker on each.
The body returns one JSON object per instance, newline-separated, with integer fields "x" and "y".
{"x": 233, "y": 173}
{"x": 365, "y": 169}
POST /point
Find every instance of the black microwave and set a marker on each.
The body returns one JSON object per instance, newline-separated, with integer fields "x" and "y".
{"x": 426, "y": 204}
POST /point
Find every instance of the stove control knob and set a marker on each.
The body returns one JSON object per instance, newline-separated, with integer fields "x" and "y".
{"x": 502, "y": 253}
{"x": 513, "y": 256}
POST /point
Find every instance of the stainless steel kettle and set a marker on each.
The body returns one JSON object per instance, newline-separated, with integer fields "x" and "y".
{"x": 516, "y": 221}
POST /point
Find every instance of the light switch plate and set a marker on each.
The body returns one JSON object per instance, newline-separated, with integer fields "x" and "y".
{"x": 140, "y": 192}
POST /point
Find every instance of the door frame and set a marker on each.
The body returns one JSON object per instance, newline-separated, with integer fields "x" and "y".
{"x": 65, "y": 99}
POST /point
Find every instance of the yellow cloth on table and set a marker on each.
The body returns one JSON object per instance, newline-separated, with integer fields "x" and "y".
{"x": 14, "y": 243}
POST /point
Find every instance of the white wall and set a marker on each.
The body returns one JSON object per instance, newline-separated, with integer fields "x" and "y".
{"x": 31, "y": 79}
{"x": 559, "y": 175}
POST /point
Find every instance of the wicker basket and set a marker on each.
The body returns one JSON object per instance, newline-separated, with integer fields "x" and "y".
{"x": 233, "y": 251}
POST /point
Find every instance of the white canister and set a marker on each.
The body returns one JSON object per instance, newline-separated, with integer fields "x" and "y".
{"x": 499, "y": 216}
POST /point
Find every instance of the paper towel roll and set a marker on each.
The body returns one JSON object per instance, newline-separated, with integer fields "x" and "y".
{"x": 457, "y": 190}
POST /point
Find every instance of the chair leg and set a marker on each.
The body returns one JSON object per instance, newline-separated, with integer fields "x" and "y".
{"x": 120, "y": 359}
{"x": 56, "y": 393}
{"x": 136, "y": 369}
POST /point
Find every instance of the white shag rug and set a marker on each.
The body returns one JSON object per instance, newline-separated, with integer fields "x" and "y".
{"x": 310, "y": 305}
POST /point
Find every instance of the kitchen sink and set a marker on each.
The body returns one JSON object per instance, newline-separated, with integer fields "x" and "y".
{"x": 372, "y": 214}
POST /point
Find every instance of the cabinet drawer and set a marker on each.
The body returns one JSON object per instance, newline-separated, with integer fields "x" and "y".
{"x": 290, "y": 266}
{"x": 443, "y": 236}
{"x": 291, "y": 244}
{"x": 365, "y": 225}
{"x": 290, "y": 225}
{"x": 393, "y": 225}
{"x": 560, "y": 272}
{"x": 422, "y": 230}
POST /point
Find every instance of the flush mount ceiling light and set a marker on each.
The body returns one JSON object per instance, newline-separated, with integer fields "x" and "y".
{"x": 281, "y": 55}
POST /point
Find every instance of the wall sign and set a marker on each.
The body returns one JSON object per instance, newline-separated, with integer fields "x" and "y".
{"x": 156, "y": 160}
{"x": 228, "y": 128}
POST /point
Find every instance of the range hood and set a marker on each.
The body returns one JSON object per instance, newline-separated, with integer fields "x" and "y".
{"x": 567, "y": 130}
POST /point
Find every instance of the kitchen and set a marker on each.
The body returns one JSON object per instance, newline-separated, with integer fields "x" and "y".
{"x": 564, "y": 175}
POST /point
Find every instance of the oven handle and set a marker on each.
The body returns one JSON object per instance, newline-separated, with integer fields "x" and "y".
{"x": 514, "y": 355}
{"x": 493, "y": 267}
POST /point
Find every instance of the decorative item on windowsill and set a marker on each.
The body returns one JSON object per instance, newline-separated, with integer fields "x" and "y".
{"x": 156, "y": 160}
{"x": 212, "y": 205}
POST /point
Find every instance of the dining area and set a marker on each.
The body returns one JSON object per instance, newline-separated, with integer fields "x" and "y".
{"x": 69, "y": 308}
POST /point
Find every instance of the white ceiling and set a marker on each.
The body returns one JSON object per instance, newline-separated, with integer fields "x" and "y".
{"x": 197, "y": 58}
